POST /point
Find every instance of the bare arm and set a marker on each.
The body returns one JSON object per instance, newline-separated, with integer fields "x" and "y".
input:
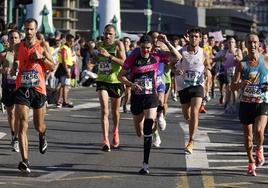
{"x": 16, "y": 62}
{"x": 122, "y": 78}
{"x": 47, "y": 61}
{"x": 171, "y": 48}
{"x": 120, "y": 51}
{"x": 236, "y": 84}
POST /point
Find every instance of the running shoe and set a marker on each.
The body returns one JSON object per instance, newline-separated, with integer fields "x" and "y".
{"x": 144, "y": 170}
{"x": 24, "y": 167}
{"x": 156, "y": 139}
{"x": 42, "y": 144}
{"x": 202, "y": 109}
{"x": 106, "y": 146}
{"x": 116, "y": 139}
{"x": 15, "y": 144}
{"x": 189, "y": 148}
{"x": 260, "y": 160}
{"x": 58, "y": 105}
{"x": 162, "y": 122}
{"x": 67, "y": 105}
{"x": 251, "y": 169}
{"x": 174, "y": 96}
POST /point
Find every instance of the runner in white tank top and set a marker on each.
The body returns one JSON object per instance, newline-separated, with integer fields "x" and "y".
{"x": 189, "y": 73}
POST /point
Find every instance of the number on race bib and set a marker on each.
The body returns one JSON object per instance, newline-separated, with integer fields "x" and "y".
{"x": 105, "y": 68}
{"x": 30, "y": 79}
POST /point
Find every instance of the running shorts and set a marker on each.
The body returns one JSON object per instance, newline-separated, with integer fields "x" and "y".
{"x": 30, "y": 98}
{"x": 142, "y": 102}
{"x": 114, "y": 90}
{"x": 8, "y": 95}
{"x": 249, "y": 111}
{"x": 193, "y": 91}
{"x": 167, "y": 87}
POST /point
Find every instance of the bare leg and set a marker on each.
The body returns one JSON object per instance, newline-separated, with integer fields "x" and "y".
{"x": 23, "y": 116}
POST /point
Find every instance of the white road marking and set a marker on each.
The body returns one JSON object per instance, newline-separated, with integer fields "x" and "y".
{"x": 198, "y": 160}
{"x": 2, "y": 134}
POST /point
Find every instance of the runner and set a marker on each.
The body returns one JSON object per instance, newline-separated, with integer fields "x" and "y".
{"x": 31, "y": 60}
{"x": 254, "y": 100}
{"x": 125, "y": 99}
{"x": 9, "y": 86}
{"x": 144, "y": 101}
{"x": 159, "y": 47}
{"x": 230, "y": 57}
{"x": 111, "y": 56}
{"x": 190, "y": 82}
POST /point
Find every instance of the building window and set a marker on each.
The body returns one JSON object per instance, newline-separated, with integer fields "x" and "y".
{"x": 57, "y": 3}
{"x": 84, "y": 4}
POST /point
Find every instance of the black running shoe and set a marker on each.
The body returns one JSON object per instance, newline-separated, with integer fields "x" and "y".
{"x": 144, "y": 171}
{"x": 24, "y": 167}
{"x": 67, "y": 105}
{"x": 42, "y": 144}
{"x": 106, "y": 148}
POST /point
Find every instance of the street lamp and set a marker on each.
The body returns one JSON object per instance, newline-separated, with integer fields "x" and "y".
{"x": 159, "y": 23}
{"x": 94, "y": 4}
{"x": 148, "y": 13}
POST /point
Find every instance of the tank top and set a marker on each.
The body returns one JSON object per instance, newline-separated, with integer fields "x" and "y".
{"x": 7, "y": 79}
{"x": 229, "y": 64}
{"x": 107, "y": 69}
{"x": 258, "y": 75}
{"x": 68, "y": 58}
{"x": 193, "y": 67}
{"x": 31, "y": 73}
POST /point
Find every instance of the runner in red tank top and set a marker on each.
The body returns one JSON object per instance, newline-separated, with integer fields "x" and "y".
{"x": 32, "y": 60}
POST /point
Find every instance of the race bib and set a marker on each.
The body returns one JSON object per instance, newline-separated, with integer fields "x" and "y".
{"x": 105, "y": 68}
{"x": 191, "y": 78}
{"x": 146, "y": 84}
{"x": 252, "y": 93}
{"x": 30, "y": 79}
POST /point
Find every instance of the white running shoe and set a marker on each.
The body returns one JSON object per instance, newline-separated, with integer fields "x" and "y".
{"x": 16, "y": 147}
{"x": 15, "y": 144}
{"x": 162, "y": 122}
{"x": 156, "y": 139}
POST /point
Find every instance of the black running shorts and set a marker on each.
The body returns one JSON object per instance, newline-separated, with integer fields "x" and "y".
{"x": 8, "y": 95}
{"x": 30, "y": 98}
{"x": 193, "y": 91}
{"x": 114, "y": 90}
{"x": 249, "y": 111}
{"x": 142, "y": 102}
{"x": 167, "y": 87}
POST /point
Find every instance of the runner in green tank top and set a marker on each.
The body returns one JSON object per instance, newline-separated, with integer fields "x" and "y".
{"x": 110, "y": 58}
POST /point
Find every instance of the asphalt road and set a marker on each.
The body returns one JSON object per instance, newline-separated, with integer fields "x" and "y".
{"x": 74, "y": 157}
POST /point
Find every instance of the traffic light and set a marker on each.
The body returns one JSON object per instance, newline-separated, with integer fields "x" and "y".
{"x": 24, "y": 2}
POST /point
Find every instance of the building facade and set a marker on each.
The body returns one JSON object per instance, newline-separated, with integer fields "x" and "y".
{"x": 65, "y": 15}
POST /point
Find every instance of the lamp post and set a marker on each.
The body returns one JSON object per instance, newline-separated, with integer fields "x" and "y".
{"x": 148, "y": 13}
{"x": 10, "y": 11}
{"x": 159, "y": 23}
{"x": 94, "y": 4}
